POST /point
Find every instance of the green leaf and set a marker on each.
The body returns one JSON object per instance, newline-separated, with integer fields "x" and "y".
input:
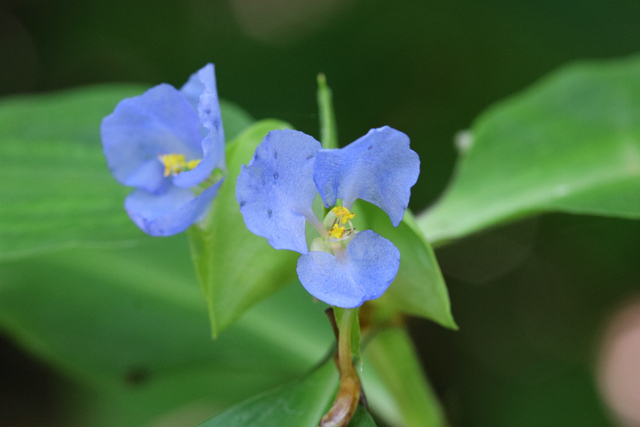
{"x": 56, "y": 189}
{"x": 395, "y": 384}
{"x": 362, "y": 418}
{"x": 235, "y": 267}
{"x": 131, "y": 327}
{"x": 571, "y": 143}
{"x": 419, "y": 288}
{"x": 299, "y": 404}
{"x": 234, "y": 120}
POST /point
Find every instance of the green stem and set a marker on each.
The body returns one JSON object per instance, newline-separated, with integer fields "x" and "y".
{"x": 346, "y": 401}
{"x": 328, "y": 130}
{"x": 344, "y": 340}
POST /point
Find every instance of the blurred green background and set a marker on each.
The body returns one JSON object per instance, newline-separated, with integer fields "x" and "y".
{"x": 531, "y": 298}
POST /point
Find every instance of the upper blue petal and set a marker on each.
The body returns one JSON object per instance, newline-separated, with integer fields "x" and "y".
{"x": 160, "y": 121}
{"x": 364, "y": 273}
{"x": 276, "y": 190}
{"x": 202, "y": 94}
{"x": 378, "y": 167}
{"x": 171, "y": 212}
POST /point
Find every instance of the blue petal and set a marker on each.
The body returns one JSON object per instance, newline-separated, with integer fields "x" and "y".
{"x": 201, "y": 92}
{"x": 365, "y": 272}
{"x": 209, "y": 162}
{"x": 160, "y": 121}
{"x": 379, "y": 168}
{"x": 276, "y": 190}
{"x": 170, "y": 213}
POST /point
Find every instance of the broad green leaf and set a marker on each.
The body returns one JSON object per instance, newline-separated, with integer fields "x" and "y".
{"x": 419, "y": 288}
{"x": 395, "y": 384}
{"x": 131, "y": 327}
{"x": 56, "y": 190}
{"x": 571, "y": 143}
{"x": 299, "y": 404}
{"x": 235, "y": 267}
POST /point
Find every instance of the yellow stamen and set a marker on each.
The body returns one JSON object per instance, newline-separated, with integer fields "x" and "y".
{"x": 343, "y": 214}
{"x": 340, "y": 210}
{"x": 191, "y": 164}
{"x": 336, "y": 231}
{"x": 176, "y": 163}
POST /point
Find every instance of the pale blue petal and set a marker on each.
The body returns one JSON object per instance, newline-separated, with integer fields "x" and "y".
{"x": 170, "y": 213}
{"x": 209, "y": 162}
{"x": 379, "y": 168}
{"x": 364, "y": 273}
{"x": 160, "y": 121}
{"x": 276, "y": 190}
{"x": 202, "y": 94}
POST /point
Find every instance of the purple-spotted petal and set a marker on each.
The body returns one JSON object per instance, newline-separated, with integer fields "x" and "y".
{"x": 276, "y": 190}
{"x": 201, "y": 93}
{"x": 364, "y": 273}
{"x": 171, "y": 212}
{"x": 160, "y": 121}
{"x": 379, "y": 168}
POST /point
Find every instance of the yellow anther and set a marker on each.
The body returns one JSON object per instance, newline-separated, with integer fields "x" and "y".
{"x": 176, "y": 163}
{"x": 336, "y": 231}
{"x": 191, "y": 164}
{"x": 340, "y": 210}
{"x": 343, "y": 214}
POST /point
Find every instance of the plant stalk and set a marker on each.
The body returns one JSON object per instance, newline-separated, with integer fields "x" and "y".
{"x": 346, "y": 401}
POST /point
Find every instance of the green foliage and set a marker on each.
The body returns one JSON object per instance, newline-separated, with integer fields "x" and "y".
{"x": 362, "y": 418}
{"x": 570, "y": 143}
{"x": 235, "y": 267}
{"x": 419, "y": 287}
{"x": 56, "y": 190}
{"x": 128, "y": 325}
{"x": 131, "y": 325}
{"x": 299, "y": 404}
{"x": 390, "y": 360}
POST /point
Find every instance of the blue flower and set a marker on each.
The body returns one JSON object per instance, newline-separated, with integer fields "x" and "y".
{"x": 167, "y": 143}
{"x": 344, "y": 267}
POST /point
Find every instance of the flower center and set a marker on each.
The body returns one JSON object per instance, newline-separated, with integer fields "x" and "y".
{"x": 175, "y": 163}
{"x": 343, "y": 216}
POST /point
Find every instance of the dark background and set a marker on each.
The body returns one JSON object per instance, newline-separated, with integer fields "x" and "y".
{"x": 531, "y": 298}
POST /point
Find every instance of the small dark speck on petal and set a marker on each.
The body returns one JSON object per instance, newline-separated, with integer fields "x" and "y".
{"x": 256, "y": 157}
{"x": 207, "y": 111}
{"x": 310, "y": 156}
{"x": 242, "y": 203}
{"x": 370, "y": 147}
{"x": 275, "y": 154}
{"x": 269, "y": 212}
{"x": 275, "y": 175}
